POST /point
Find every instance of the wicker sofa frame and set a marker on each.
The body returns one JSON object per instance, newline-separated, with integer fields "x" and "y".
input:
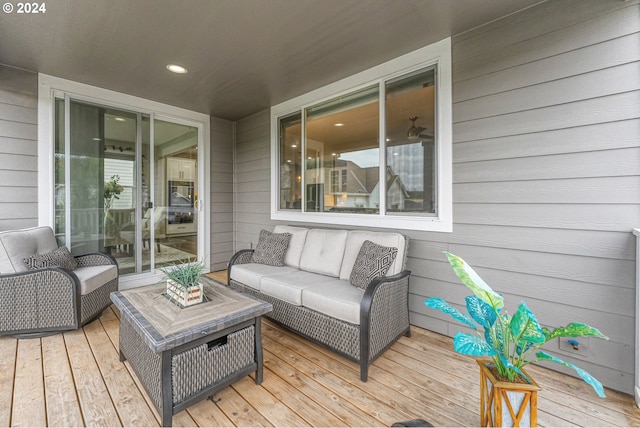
{"x": 384, "y": 317}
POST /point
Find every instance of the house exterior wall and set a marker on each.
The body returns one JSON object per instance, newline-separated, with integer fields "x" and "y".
{"x": 18, "y": 148}
{"x": 546, "y": 176}
{"x": 221, "y": 198}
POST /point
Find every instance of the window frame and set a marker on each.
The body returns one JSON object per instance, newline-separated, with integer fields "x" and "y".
{"x": 438, "y": 55}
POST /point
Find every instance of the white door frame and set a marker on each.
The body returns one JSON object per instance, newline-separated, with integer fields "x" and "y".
{"x": 49, "y": 87}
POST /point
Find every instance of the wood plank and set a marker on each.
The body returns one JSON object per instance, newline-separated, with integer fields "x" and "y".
{"x": 18, "y": 113}
{"x": 601, "y": 190}
{"x": 621, "y": 50}
{"x": 63, "y": 408}
{"x": 8, "y": 350}
{"x": 304, "y": 406}
{"x": 12, "y": 129}
{"x": 29, "y": 397}
{"x": 546, "y": 16}
{"x": 559, "y": 391}
{"x": 423, "y": 403}
{"x": 622, "y": 78}
{"x": 556, "y": 216}
{"x": 18, "y": 146}
{"x": 595, "y": 137}
{"x": 269, "y": 406}
{"x": 95, "y": 402}
{"x": 614, "y": 273}
{"x": 581, "y": 113}
{"x": 241, "y": 413}
{"x": 606, "y": 163}
{"x": 207, "y": 414}
{"x": 323, "y": 396}
{"x": 131, "y": 408}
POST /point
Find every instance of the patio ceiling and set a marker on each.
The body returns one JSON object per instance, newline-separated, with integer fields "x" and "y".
{"x": 242, "y": 55}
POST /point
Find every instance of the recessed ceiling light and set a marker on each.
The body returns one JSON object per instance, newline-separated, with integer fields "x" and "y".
{"x": 339, "y": 124}
{"x": 96, "y": 139}
{"x": 294, "y": 146}
{"x": 176, "y": 69}
{"x": 120, "y": 119}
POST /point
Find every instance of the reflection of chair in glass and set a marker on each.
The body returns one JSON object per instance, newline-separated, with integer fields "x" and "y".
{"x": 119, "y": 229}
{"x": 46, "y": 298}
{"x": 160, "y": 222}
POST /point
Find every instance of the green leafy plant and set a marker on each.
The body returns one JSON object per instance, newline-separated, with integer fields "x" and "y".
{"x": 112, "y": 190}
{"x": 186, "y": 274}
{"x": 511, "y": 341}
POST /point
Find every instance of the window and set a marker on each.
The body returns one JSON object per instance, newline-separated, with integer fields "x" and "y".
{"x": 371, "y": 150}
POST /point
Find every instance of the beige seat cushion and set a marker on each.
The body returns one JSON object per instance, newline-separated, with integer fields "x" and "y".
{"x": 288, "y": 287}
{"x": 93, "y": 277}
{"x": 338, "y": 299}
{"x": 250, "y": 274}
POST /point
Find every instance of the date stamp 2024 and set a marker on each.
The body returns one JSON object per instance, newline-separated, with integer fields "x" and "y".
{"x": 24, "y": 8}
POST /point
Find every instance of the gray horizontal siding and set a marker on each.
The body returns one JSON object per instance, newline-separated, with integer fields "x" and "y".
{"x": 221, "y": 197}
{"x": 545, "y": 168}
{"x": 18, "y": 149}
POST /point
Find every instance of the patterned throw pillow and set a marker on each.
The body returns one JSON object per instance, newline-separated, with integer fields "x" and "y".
{"x": 271, "y": 248}
{"x": 60, "y": 257}
{"x": 373, "y": 261}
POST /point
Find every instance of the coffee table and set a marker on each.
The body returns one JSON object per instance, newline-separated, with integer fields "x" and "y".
{"x": 182, "y": 355}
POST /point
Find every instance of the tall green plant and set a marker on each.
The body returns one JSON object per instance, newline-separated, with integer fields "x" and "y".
{"x": 511, "y": 341}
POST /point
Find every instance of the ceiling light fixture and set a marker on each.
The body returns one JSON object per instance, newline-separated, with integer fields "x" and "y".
{"x": 178, "y": 69}
{"x": 120, "y": 119}
{"x": 339, "y": 124}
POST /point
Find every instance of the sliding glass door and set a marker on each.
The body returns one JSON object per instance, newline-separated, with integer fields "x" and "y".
{"x": 125, "y": 184}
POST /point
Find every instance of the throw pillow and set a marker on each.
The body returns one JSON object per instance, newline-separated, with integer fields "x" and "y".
{"x": 271, "y": 248}
{"x": 60, "y": 257}
{"x": 373, "y": 261}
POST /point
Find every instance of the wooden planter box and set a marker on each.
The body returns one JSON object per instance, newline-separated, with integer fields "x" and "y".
{"x": 184, "y": 297}
{"x": 507, "y": 404}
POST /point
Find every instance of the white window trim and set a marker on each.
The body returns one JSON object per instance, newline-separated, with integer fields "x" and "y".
{"x": 437, "y": 53}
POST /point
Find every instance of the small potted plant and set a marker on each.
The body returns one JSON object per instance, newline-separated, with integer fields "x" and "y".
{"x": 507, "y": 343}
{"x": 183, "y": 282}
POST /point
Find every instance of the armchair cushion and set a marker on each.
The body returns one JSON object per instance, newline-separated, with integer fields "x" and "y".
{"x": 93, "y": 277}
{"x": 373, "y": 261}
{"x": 15, "y": 245}
{"x": 60, "y": 257}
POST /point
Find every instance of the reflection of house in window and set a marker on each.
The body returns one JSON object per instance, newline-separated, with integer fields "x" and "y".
{"x": 356, "y": 189}
{"x": 397, "y": 195}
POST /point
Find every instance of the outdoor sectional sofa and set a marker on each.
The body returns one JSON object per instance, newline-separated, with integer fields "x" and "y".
{"x": 312, "y": 293}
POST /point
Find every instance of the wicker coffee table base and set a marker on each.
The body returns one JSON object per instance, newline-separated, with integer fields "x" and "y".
{"x": 177, "y": 378}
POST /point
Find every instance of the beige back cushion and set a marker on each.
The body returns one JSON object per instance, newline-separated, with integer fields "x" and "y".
{"x": 356, "y": 238}
{"x": 15, "y": 245}
{"x": 296, "y": 243}
{"x": 323, "y": 251}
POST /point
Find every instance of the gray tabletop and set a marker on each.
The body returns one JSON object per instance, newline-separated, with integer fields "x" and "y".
{"x": 165, "y": 325}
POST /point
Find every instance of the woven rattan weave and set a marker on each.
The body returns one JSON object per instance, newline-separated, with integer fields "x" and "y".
{"x": 384, "y": 317}
{"x": 182, "y": 355}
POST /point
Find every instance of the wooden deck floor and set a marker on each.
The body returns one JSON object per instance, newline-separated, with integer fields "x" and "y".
{"x": 76, "y": 379}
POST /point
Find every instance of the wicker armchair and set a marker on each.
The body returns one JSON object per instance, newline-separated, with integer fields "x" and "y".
{"x": 50, "y": 299}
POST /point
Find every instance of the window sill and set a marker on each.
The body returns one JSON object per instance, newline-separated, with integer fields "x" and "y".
{"x": 404, "y": 222}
